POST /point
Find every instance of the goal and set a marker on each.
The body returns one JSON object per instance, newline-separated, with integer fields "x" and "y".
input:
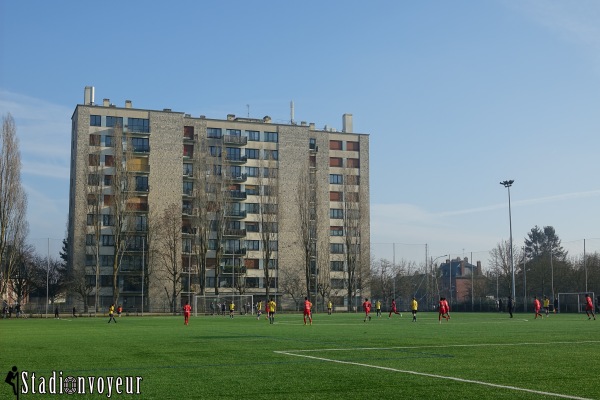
{"x": 219, "y": 305}
{"x": 573, "y": 302}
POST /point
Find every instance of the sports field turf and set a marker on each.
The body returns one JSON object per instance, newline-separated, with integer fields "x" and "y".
{"x": 473, "y": 356}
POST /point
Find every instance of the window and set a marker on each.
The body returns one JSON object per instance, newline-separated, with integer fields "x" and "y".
{"x": 273, "y": 245}
{"x": 107, "y": 240}
{"x": 336, "y": 248}
{"x": 90, "y": 259}
{"x": 108, "y": 220}
{"x": 270, "y": 172}
{"x": 352, "y": 146}
{"x": 253, "y": 136}
{"x": 271, "y": 154}
{"x": 95, "y": 120}
{"x": 252, "y": 190}
{"x": 234, "y": 171}
{"x": 336, "y": 265}
{"x": 336, "y": 196}
{"x": 214, "y": 151}
{"x": 335, "y": 162}
{"x": 336, "y": 213}
{"x": 234, "y": 153}
{"x": 109, "y": 141}
{"x": 188, "y": 169}
{"x": 335, "y": 145}
{"x": 213, "y": 244}
{"x": 141, "y": 183}
{"x": 217, "y": 170}
{"x": 269, "y": 227}
{"x": 271, "y": 137}
{"x": 108, "y": 180}
{"x": 141, "y": 145}
{"x": 336, "y": 231}
{"x": 338, "y": 283}
{"x": 188, "y": 188}
{"x": 92, "y": 199}
{"x": 213, "y": 133}
{"x": 94, "y": 160}
{"x": 252, "y": 208}
{"x": 251, "y": 226}
{"x": 138, "y": 125}
{"x": 90, "y": 239}
{"x": 114, "y": 121}
{"x": 273, "y": 264}
{"x": 188, "y": 132}
{"x": 252, "y": 154}
{"x": 234, "y": 132}
{"x": 252, "y": 171}
{"x": 94, "y": 140}
{"x": 353, "y": 163}
{"x": 109, "y": 161}
{"x": 253, "y": 245}
{"x": 251, "y": 263}
{"x": 336, "y": 179}
{"x": 141, "y": 223}
{"x": 93, "y": 179}
{"x": 312, "y": 144}
{"x": 108, "y": 200}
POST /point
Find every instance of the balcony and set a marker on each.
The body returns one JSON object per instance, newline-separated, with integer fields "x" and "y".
{"x": 229, "y": 269}
{"x": 187, "y": 210}
{"x": 188, "y": 173}
{"x": 188, "y": 192}
{"x": 237, "y": 178}
{"x": 188, "y": 230}
{"x": 236, "y": 159}
{"x": 143, "y": 149}
{"x": 237, "y": 195}
{"x": 234, "y": 252}
{"x": 237, "y": 214}
{"x": 235, "y": 140}
{"x": 235, "y": 232}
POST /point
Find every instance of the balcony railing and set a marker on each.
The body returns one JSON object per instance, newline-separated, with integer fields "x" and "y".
{"x": 235, "y": 232}
{"x": 235, "y": 214}
{"x": 236, "y": 252}
{"x": 235, "y": 140}
{"x": 236, "y": 159}
{"x": 238, "y": 178}
{"x": 237, "y": 195}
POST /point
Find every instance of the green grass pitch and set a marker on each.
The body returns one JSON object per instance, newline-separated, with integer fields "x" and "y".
{"x": 473, "y": 356}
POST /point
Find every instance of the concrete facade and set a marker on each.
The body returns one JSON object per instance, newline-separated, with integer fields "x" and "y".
{"x": 161, "y": 162}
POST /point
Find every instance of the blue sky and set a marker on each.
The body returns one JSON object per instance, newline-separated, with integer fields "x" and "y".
{"x": 456, "y": 96}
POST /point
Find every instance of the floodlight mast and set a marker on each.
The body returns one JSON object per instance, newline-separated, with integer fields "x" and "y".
{"x": 507, "y": 184}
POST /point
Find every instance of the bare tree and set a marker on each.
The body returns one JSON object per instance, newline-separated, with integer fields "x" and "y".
{"x": 351, "y": 226}
{"x": 324, "y": 287}
{"x": 95, "y": 219}
{"x": 120, "y": 204}
{"x": 200, "y": 171}
{"x": 293, "y": 284}
{"x": 305, "y": 203}
{"x": 13, "y": 202}
{"x": 80, "y": 285}
{"x": 219, "y": 209}
{"x": 268, "y": 210}
{"x": 169, "y": 252}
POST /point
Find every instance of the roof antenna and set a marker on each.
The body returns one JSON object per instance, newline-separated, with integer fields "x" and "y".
{"x": 248, "y": 107}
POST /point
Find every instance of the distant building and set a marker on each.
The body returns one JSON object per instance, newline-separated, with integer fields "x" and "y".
{"x": 455, "y": 279}
{"x": 164, "y": 149}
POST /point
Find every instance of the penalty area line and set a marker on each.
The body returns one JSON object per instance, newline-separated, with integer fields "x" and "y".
{"x": 451, "y": 378}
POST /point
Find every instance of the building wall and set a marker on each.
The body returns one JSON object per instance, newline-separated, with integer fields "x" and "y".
{"x": 165, "y": 161}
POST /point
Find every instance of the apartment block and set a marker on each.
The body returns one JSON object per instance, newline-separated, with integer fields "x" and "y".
{"x": 237, "y": 184}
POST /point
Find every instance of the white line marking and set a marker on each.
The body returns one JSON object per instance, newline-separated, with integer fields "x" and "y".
{"x": 437, "y": 376}
{"x": 444, "y": 346}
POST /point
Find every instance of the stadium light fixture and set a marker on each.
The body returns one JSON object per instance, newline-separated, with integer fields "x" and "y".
{"x": 507, "y": 184}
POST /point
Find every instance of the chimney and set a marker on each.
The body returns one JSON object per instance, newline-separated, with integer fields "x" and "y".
{"x": 267, "y": 119}
{"x": 128, "y": 104}
{"x": 230, "y": 117}
{"x": 347, "y": 123}
{"x": 88, "y": 96}
{"x": 106, "y": 102}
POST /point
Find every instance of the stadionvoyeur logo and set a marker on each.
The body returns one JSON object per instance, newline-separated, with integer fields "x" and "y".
{"x": 56, "y": 383}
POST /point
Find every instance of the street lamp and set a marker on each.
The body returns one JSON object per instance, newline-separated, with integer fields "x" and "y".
{"x": 507, "y": 185}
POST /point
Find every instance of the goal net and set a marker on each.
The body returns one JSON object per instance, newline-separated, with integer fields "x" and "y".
{"x": 573, "y": 302}
{"x": 219, "y": 305}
